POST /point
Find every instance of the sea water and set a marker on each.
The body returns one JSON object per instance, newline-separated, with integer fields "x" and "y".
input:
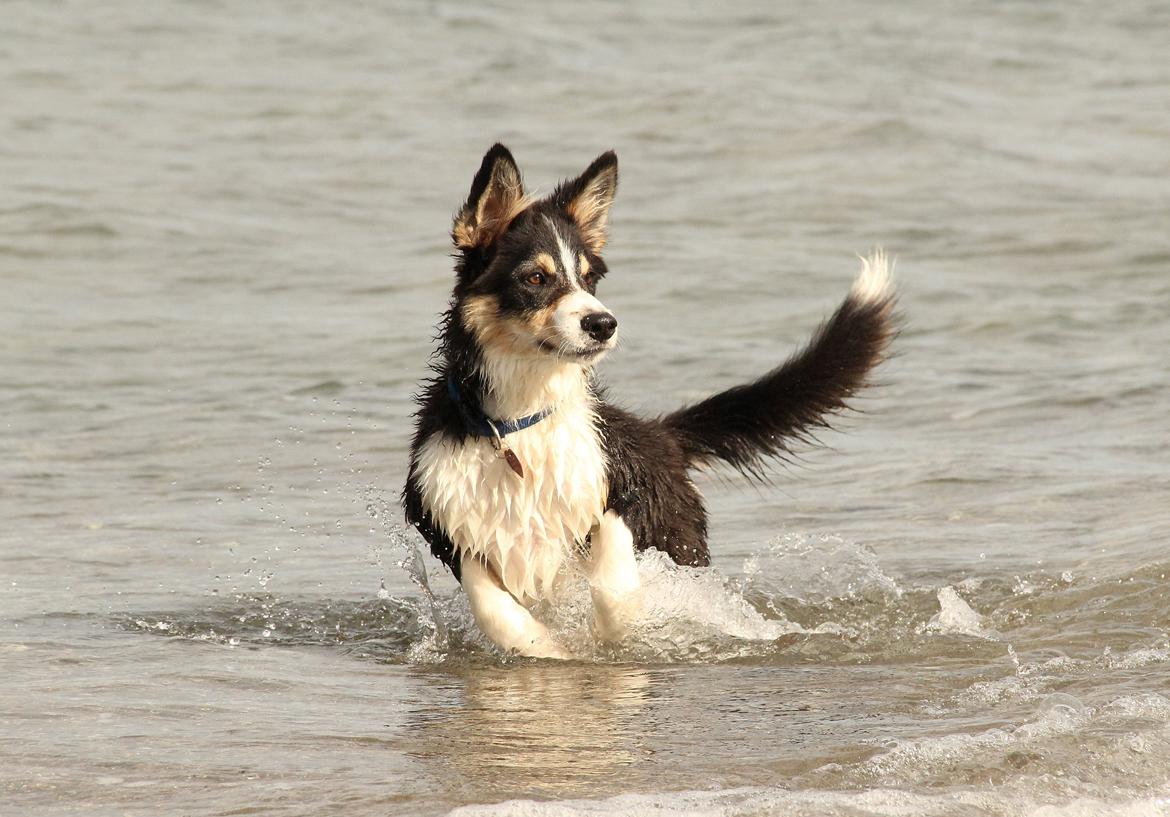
{"x": 223, "y": 249}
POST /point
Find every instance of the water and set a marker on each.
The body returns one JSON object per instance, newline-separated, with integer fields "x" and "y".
{"x": 222, "y": 251}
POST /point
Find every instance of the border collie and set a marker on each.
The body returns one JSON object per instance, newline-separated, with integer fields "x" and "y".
{"x": 518, "y": 465}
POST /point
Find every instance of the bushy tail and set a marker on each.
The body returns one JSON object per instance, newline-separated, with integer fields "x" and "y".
{"x": 744, "y": 425}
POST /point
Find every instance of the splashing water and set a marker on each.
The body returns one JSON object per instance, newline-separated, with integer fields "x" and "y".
{"x": 799, "y": 598}
{"x": 955, "y": 616}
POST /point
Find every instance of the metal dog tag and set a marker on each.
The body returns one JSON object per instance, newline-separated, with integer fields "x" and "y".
{"x": 513, "y": 462}
{"x": 505, "y": 452}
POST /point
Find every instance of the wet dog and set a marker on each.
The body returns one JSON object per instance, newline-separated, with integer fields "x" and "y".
{"x": 518, "y": 464}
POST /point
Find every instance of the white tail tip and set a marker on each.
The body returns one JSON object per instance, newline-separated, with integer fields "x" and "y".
{"x": 873, "y": 283}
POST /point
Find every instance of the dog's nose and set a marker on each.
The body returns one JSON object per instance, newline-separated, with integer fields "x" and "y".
{"x": 599, "y": 325}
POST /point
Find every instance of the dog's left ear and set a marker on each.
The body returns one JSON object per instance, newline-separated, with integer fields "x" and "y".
{"x": 588, "y": 197}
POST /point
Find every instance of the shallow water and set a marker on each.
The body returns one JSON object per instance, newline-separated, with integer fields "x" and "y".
{"x": 222, "y": 251}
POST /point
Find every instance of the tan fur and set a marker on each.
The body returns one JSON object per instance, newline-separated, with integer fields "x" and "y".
{"x": 502, "y": 201}
{"x": 546, "y": 263}
{"x": 521, "y": 378}
{"x": 583, "y": 265}
{"x": 482, "y": 230}
{"x": 481, "y": 315}
{"x": 591, "y": 209}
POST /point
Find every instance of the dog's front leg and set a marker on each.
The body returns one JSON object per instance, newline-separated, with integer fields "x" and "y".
{"x": 503, "y": 619}
{"x": 613, "y": 577}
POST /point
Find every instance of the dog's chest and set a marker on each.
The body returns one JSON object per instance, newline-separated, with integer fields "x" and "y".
{"x": 524, "y": 527}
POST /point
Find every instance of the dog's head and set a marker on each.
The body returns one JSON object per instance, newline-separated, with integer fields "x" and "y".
{"x": 529, "y": 268}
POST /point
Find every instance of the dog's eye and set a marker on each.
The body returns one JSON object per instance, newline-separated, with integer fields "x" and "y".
{"x": 589, "y": 278}
{"x": 536, "y": 279}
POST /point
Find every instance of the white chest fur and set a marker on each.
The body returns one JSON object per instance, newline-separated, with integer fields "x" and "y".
{"x": 524, "y": 528}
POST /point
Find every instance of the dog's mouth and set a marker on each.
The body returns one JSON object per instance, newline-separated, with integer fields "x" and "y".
{"x": 581, "y": 355}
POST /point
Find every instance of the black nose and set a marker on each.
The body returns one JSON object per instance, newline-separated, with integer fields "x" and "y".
{"x": 599, "y": 325}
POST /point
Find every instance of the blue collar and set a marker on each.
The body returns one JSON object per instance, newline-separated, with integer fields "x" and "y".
{"x": 481, "y": 425}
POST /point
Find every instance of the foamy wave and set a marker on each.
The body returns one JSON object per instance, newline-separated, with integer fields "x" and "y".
{"x": 1030, "y": 681}
{"x": 1093, "y": 749}
{"x": 1141, "y": 657}
{"x": 913, "y": 759}
{"x": 760, "y": 802}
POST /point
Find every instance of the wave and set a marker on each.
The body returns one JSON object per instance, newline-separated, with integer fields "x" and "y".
{"x": 801, "y": 598}
{"x": 1003, "y": 694}
{"x": 1067, "y": 760}
{"x": 1018, "y": 801}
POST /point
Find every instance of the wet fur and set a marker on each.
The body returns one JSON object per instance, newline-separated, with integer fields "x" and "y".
{"x": 634, "y": 469}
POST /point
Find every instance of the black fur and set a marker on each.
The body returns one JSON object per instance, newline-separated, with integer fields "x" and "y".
{"x": 647, "y": 459}
{"x": 744, "y": 425}
{"x": 650, "y": 489}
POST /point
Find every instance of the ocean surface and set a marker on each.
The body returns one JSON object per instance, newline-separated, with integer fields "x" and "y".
{"x": 223, "y": 249}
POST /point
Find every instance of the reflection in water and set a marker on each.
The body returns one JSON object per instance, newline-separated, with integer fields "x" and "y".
{"x": 548, "y": 730}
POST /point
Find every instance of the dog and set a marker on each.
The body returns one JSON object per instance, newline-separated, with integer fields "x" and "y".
{"x": 518, "y": 465}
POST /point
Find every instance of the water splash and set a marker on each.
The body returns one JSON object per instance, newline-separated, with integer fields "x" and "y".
{"x": 817, "y": 569}
{"x": 798, "y": 599}
{"x": 955, "y": 617}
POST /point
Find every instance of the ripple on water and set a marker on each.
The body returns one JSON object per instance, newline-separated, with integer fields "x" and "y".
{"x": 796, "y": 600}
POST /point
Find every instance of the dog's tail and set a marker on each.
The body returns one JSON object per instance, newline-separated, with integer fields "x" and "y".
{"x": 744, "y": 425}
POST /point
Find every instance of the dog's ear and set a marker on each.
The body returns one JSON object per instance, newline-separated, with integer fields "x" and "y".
{"x": 588, "y": 197}
{"x": 497, "y": 197}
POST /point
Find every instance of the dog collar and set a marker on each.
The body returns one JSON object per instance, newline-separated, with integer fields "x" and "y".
{"x": 479, "y": 424}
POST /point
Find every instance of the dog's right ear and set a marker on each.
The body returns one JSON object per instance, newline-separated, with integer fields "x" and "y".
{"x": 497, "y": 197}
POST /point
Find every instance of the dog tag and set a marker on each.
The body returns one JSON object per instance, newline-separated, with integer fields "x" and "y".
{"x": 505, "y": 452}
{"x": 513, "y": 462}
